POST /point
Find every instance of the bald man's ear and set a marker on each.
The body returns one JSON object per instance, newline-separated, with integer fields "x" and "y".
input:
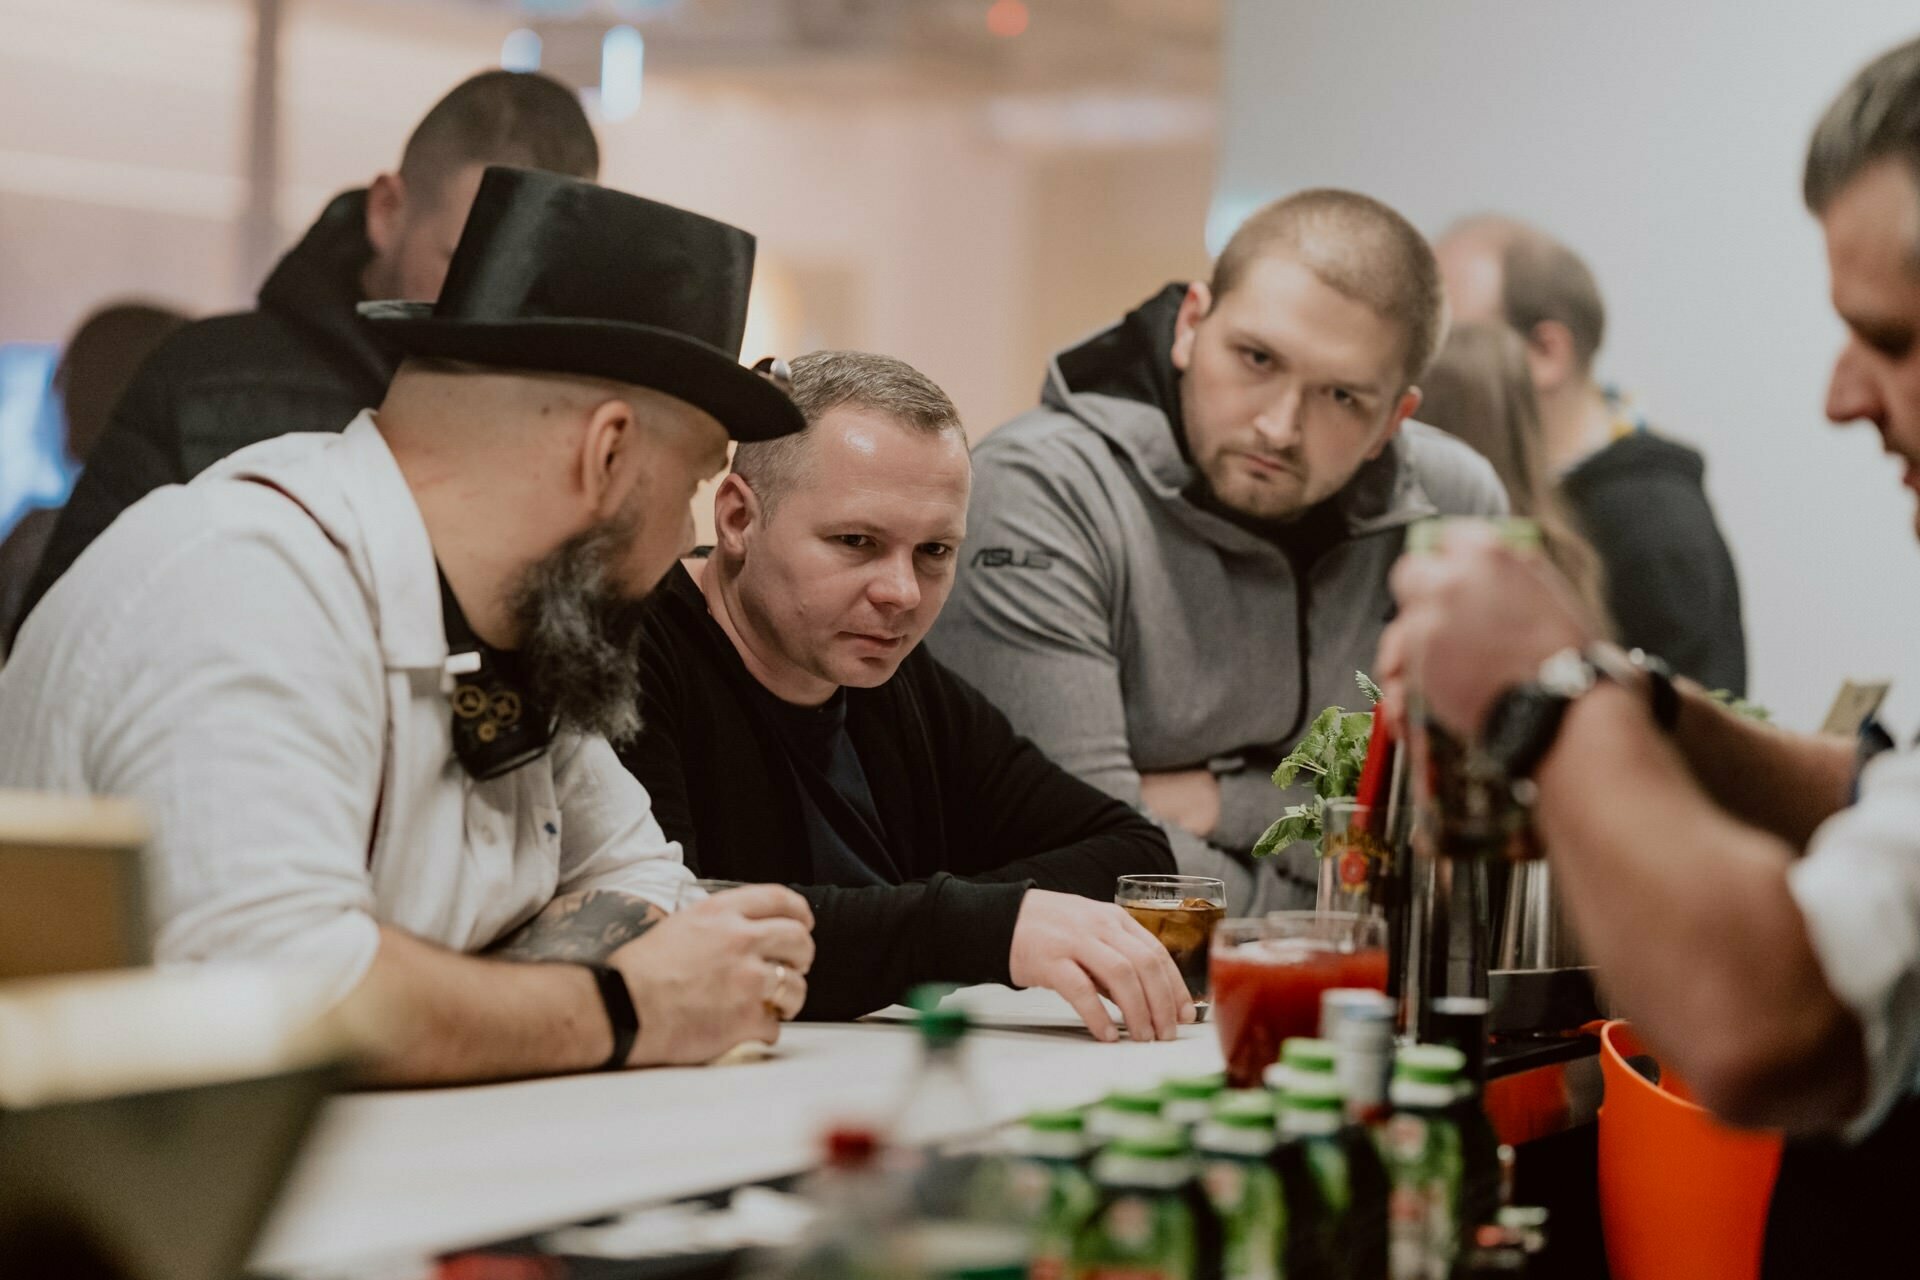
{"x": 1404, "y": 408}
{"x": 386, "y": 213}
{"x": 736, "y": 511}
{"x": 1551, "y": 357}
{"x": 609, "y": 461}
{"x": 1193, "y": 309}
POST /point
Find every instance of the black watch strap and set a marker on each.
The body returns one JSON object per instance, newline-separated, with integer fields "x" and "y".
{"x": 1663, "y": 697}
{"x": 621, "y": 1015}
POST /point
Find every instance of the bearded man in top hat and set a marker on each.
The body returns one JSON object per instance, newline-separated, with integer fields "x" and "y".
{"x": 363, "y": 684}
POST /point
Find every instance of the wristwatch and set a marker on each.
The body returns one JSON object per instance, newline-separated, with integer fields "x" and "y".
{"x": 1525, "y": 719}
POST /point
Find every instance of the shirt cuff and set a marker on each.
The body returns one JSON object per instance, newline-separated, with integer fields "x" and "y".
{"x": 1858, "y": 913}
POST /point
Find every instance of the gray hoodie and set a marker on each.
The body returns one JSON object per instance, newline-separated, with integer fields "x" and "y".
{"x": 1127, "y": 630}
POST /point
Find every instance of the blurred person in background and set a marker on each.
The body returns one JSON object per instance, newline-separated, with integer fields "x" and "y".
{"x": 303, "y": 360}
{"x": 795, "y": 730}
{"x": 94, "y": 370}
{"x": 1182, "y": 554}
{"x": 1751, "y": 895}
{"x": 1636, "y": 495}
{"x": 363, "y": 683}
{"x": 1480, "y": 390}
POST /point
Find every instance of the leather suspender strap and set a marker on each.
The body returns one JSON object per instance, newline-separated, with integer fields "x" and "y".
{"x": 380, "y": 792}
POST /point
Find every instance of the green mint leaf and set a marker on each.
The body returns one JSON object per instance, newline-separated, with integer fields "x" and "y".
{"x": 1368, "y": 687}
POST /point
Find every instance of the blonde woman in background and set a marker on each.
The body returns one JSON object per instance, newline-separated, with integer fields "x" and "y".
{"x": 1479, "y": 390}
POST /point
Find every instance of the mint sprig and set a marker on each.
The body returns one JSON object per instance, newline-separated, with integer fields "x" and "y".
{"x": 1331, "y": 752}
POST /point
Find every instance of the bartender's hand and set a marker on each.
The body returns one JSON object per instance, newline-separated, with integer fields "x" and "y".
{"x": 1189, "y": 799}
{"x": 1476, "y": 618}
{"x": 1085, "y": 949}
{"x": 726, "y": 970}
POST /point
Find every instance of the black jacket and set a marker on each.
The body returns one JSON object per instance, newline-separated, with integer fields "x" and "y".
{"x": 1671, "y": 585}
{"x": 302, "y": 362}
{"x": 974, "y": 813}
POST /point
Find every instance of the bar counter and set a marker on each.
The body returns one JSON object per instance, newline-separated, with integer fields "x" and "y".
{"x": 394, "y": 1177}
{"x": 397, "y": 1176}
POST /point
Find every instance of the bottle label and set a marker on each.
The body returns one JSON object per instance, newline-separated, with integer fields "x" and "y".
{"x": 1226, "y": 1184}
{"x": 1130, "y": 1222}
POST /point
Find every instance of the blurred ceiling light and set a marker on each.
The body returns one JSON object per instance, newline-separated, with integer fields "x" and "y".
{"x": 520, "y": 51}
{"x": 623, "y": 54}
{"x": 1007, "y": 18}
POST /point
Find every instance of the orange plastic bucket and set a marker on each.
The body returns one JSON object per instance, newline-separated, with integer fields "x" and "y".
{"x": 1681, "y": 1195}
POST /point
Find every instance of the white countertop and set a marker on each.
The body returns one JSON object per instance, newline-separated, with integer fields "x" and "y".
{"x": 406, "y": 1174}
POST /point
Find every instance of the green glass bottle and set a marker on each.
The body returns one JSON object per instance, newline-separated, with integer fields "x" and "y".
{"x": 1235, "y": 1146}
{"x": 1151, "y": 1221}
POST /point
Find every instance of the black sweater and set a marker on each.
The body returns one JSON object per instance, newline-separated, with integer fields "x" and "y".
{"x": 1671, "y": 584}
{"x": 974, "y": 814}
{"x": 302, "y": 361}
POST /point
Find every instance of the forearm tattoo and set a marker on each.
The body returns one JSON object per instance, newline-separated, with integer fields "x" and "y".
{"x": 584, "y": 927}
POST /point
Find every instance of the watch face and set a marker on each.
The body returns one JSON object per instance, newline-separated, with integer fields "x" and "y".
{"x": 1521, "y": 727}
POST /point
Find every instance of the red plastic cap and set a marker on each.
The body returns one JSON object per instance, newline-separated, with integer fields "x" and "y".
{"x": 851, "y": 1145}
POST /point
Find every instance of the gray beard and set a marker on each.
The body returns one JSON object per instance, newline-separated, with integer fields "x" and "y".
{"x": 579, "y": 634}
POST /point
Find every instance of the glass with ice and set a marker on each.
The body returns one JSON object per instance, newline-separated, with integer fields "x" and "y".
{"x": 1269, "y": 973}
{"x": 1180, "y": 911}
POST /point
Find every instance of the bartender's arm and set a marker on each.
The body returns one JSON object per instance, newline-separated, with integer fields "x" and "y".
{"x": 1676, "y": 881}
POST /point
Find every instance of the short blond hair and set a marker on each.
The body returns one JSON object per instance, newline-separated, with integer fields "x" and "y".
{"x": 1356, "y": 246}
{"x": 826, "y": 380}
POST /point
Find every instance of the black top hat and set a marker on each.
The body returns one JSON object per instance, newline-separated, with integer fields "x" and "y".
{"x": 565, "y": 276}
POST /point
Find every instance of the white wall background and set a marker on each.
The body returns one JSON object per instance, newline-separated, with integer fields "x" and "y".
{"x": 1663, "y": 141}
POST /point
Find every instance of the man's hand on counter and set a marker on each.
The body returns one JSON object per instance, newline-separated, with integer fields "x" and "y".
{"x": 1085, "y": 949}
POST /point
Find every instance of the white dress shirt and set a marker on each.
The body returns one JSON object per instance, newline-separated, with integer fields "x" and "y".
{"x": 264, "y": 676}
{"x": 1858, "y": 888}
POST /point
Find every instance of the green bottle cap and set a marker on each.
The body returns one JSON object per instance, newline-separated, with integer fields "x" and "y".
{"x": 1314, "y": 1093}
{"x": 1308, "y": 1055}
{"x": 1247, "y": 1102}
{"x": 1194, "y": 1088}
{"x": 1515, "y": 532}
{"x": 1057, "y": 1122}
{"x": 928, "y": 995}
{"x": 1161, "y": 1143}
{"x": 1245, "y": 1109}
{"x": 942, "y": 1026}
{"x": 1429, "y": 1064}
{"x": 1137, "y": 1102}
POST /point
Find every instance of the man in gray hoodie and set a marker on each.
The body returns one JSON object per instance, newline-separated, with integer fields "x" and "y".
{"x": 1181, "y": 555}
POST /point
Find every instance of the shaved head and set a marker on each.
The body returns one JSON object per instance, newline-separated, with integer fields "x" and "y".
{"x": 1356, "y": 246}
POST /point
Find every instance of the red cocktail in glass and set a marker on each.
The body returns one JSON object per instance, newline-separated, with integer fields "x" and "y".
{"x": 1268, "y": 974}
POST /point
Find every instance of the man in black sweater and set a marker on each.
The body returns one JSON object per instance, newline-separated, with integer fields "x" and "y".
{"x": 1637, "y": 495}
{"x": 795, "y": 732}
{"x": 303, "y": 360}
